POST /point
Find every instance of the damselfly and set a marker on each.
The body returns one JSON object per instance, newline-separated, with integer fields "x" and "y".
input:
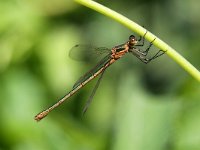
{"x": 131, "y": 46}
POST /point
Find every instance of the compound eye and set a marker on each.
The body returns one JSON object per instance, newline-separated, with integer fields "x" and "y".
{"x": 132, "y": 40}
{"x": 131, "y": 37}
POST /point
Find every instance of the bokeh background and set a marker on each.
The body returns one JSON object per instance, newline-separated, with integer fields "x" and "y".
{"x": 137, "y": 106}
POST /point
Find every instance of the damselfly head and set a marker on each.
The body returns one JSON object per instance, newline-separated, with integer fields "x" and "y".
{"x": 132, "y": 40}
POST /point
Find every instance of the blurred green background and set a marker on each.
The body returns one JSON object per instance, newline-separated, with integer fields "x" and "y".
{"x": 137, "y": 106}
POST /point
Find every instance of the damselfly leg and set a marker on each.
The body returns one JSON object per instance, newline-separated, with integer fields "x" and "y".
{"x": 142, "y": 55}
{"x": 141, "y": 38}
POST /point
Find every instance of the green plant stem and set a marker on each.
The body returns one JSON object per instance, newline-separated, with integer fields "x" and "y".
{"x": 141, "y": 31}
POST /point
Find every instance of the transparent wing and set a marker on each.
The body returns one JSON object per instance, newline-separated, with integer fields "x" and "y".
{"x": 93, "y": 93}
{"x": 91, "y": 72}
{"x": 87, "y": 52}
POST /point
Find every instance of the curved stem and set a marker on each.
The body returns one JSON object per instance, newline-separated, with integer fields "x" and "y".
{"x": 141, "y": 31}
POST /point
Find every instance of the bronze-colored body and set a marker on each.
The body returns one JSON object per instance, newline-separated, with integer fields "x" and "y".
{"x": 116, "y": 53}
